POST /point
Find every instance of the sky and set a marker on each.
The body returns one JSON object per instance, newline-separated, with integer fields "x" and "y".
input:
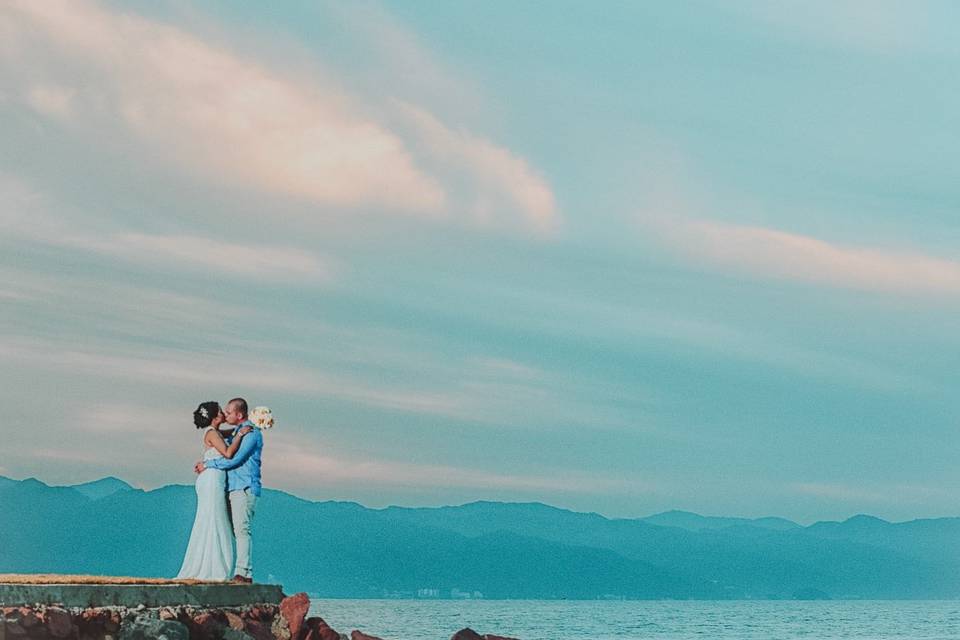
{"x": 618, "y": 257}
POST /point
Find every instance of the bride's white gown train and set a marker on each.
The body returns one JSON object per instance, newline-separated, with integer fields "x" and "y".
{"x": 210, "y": 551}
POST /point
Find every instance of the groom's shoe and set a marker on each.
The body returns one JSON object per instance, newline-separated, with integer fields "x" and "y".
{"x": 242, "y": 579}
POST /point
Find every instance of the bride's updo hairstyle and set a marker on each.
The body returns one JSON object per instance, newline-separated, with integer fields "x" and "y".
{"x": 205, "y": 414}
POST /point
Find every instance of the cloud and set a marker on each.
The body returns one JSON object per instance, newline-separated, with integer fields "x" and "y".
{"x": 66, "y": 455}
{"x": 228, "y": 118}
{"x": 202, "y": 107}
{"x": 871, "y": 26}
{"x": 770, "y": 253}
{"x": 499, "y": 180}
{"x": 894, "y": 495}
{"x": 213, "y": 370}
{"x": 26, "y": 215}
{"x": 393, "y": 50}
{"x": 56, "y": 102}
{"x": 19, "y": 204}
{"x": 302, "y": 467}
{"x": 194, "y": 252}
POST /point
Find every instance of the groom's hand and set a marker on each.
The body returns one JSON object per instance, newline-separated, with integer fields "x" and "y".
{"x": 198, "y": 468}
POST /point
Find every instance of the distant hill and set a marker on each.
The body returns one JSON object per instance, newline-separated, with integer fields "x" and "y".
{"x": 102, "y": 488}
{"x": 696, "y": 522}
{"x": 502, "y": 550}
{"x": 935, "y": 539}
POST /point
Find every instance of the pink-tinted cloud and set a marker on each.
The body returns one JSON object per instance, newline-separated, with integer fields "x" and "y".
{"x": 303, "y": 466}
{"x": 233, "y": 120}
{"x": 213, "y": 371}
{"x": 27, "y": 215}
{"x": 56, "y": 102}
{"x": 894, "y": 494}
{"x": 496, "y": 180}
{"x": 770, "y": 253}
{"x": 205, "y": 108}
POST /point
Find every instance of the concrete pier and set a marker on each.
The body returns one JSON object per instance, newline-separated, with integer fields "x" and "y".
{"x": 203, "y": 594}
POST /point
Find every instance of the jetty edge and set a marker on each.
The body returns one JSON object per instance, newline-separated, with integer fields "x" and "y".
{"x": 65, "y": 607}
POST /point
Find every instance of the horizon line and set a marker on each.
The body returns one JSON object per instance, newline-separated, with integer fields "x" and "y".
{"x": 503, "y": 502}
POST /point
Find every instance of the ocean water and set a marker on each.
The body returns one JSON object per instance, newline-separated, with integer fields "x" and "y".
{"x": 625, "y": 620}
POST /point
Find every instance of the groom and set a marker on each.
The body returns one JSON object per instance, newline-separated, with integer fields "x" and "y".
{"x": 243, "y": 484}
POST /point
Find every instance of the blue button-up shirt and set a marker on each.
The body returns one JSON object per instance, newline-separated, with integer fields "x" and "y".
{"x": 243, "y": 470}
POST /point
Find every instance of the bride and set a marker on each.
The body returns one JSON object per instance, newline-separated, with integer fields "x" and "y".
{"x": 210, "y": 551}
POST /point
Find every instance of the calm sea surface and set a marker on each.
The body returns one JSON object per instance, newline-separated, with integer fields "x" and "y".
{"x": 620, "y": 620}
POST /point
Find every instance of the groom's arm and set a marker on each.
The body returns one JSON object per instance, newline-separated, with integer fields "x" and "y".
{"x": 246, "y": 450}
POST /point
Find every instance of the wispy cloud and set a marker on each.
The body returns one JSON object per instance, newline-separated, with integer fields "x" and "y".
{"x": 771, "y": 253}
{"x": 205, "y": 108}
{"x": 495, "y": 181}
{"x": 53, "y": 101}
{"x": 394, "y": 52}
{"x": 213, "y": 370}
{"x": 12, "y": 295}
{"x": 29, "y": 215}
{"x": 873, "y": 495}
{"x": 231, "y": 119}
{"x": 194, "y": 252}
{"x": 872, "y": 26}
{"x": 302, "y": 466}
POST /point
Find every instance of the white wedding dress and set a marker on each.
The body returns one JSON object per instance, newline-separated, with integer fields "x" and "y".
{"x": 210, "y": 551}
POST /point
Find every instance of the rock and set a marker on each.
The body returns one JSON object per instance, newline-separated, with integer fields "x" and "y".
{"x": 28, "y": 618}
{"x": 59, "y": 622}
{"x": 294, "y": 610}
{"x": 234, "y": 621}
{"x": 466, "y": 634}
{"x": 360, "y": 635}
{"x": 270, "y": 610}
{"x": 39, "y": 632}
{"x": 318, "y": 629}
{"x": 205, "y": 626}
{"x": 168, "y": 614}
{"x": 258, "y": 630}
{"x": 279, "y": 629}
{"x": 14, "y": 630}
{"x": 143, "y": 628}
{"x": 235, "y": 634}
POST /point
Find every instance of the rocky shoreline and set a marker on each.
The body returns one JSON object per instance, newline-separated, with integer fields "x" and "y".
{"x": 287, "y": 621}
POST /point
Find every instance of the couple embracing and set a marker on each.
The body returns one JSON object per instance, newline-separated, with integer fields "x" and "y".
{"x": 228, "y": 485}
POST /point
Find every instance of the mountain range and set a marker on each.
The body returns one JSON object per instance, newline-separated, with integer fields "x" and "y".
{"x": 499, "y": 550}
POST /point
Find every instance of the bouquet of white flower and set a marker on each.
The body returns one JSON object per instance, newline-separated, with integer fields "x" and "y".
{"x": 262, "y": 417}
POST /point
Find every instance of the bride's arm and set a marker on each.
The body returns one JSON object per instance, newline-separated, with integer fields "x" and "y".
{"x": 232, "y": 449}
{"x": 215, "y": 440}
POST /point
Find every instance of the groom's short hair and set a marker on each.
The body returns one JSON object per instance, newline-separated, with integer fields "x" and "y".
{"x": 240, "y": 405}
